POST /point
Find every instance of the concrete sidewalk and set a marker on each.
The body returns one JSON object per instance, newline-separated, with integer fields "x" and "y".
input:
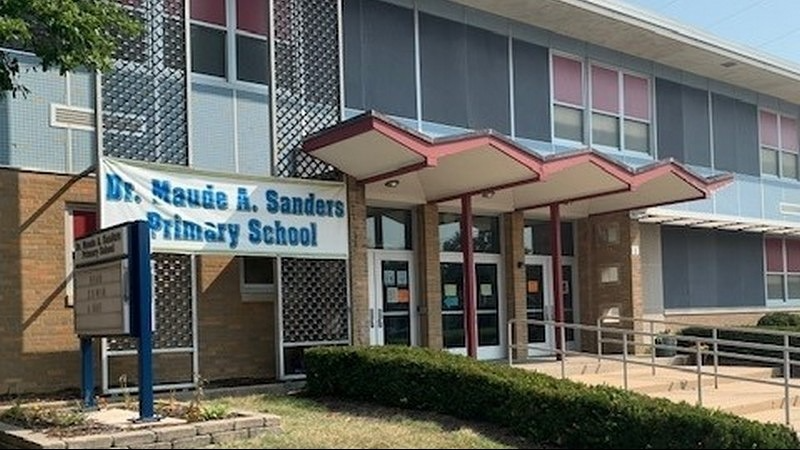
{"x": 756, "y": 393}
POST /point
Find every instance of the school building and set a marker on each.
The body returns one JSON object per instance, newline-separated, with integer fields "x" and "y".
{"x": 413, "y": 172}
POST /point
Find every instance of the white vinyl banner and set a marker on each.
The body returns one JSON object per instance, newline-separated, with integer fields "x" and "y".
{"x": 193, "y": 211}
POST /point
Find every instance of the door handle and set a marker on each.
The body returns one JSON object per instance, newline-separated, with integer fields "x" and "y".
{"x": 380, "y": 317}
{"x": 371, "y": 318}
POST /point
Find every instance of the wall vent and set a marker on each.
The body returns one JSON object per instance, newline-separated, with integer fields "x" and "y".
{"x": 64, "y": 116}
{"x": 790, "y": 208}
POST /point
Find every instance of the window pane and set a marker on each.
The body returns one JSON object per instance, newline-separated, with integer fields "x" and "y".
{"x": 258, "y": 270}
{"x": 453, "y": 330}
{"x": 83, "y": 223}
{"x": 637, "y": 136}
{"x": 637, "y": 97}
{"x": 389, "y": 228}
{"x": 769, "y": 162}
{"x": 488, "y": 329}
{"x": 605, "y": 90}
{"x": 568, "y": 123}
{"x": 768, "y": 124}
{"x": 788, "y": 133}
{"x": 536, "y": 238}
{"x": 793, "y": 255}
{"x": 605, "y": 130}
{"x": 486, "y": 234}
{"x": 371, "y": 232}
{"x": 775, "y": 287}
{"x": 211, "y": 11}
{"x": 208, "y": 51}
{"x": 449, "y": 232}
{"x": 793, "y": 284}
{"x": 251, "y": 15}
{"x": 774, "y": 250}
{"x": 567, "y": 81}
{"x": 251, "y": 59}
{"x": 789, "y": 165}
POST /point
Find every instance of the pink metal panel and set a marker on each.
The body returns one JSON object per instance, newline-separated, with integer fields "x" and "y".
{"x": 788, "y": 133}
{"x": 605, "y": 90}
{"x": 637, "y": 97}
{"x": 567, "y": 81}
{"x": 251, "y": 15}
{"x": 793, "y": 255}
{"x": 769, "y": 128}
{"x": 209, "y": 11}
{"x": 774, "y": 250}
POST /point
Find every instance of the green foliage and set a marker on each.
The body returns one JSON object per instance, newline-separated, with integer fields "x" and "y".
{"x": 38, "y": 416}
{"x": 754, "y": 337}
{"x": 65, "y": 34}
{"x": 539, "y": 407}
{"x": 780, "y": 319}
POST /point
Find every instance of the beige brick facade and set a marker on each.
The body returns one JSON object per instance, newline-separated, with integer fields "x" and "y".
{"x": 516, "y": 301}
{"x": 36, "y": 328}
{"x": 430, "y": 277}
{"x": 359, "y": 291}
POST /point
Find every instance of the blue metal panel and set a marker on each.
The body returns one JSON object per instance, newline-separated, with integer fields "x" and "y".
{"x": 531, "y": 91}
{"x": 212, "y": 128}
{"x": 254, "y": 136}
{"x": 726, "y": 200}
{"x": 488, "y": 103}
{"x": 443, "y": 67}
{"x": 749, "y": 188}
{"x": 32, "y": 142}
{"x": 773, "y": 195}
{"x": 82, "y": 89}
{"x": 352, "y": 49}
{"x": 84, "y": 150}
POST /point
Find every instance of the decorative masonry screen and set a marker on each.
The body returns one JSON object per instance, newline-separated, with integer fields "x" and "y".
{"x": 144, "y": 96}
{"x": 314, "y": 301}
{"x": 172, "y": 285}
{"x": 306, "y": 55}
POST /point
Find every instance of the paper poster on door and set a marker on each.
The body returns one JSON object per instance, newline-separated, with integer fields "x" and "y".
{"x": 403, "y": 296}
{"x": 450, "y": 290}
{"x": 402, "y": 278}
{"x": 533, "y": 286}
{"x": 486, "y": 289}
{"x": 388, "y": 277}
{"x": 391, "y": 295}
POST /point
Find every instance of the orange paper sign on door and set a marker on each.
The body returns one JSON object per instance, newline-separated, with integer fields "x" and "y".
{"x": 533, "y": 286}
{"x": 402, "y": 296}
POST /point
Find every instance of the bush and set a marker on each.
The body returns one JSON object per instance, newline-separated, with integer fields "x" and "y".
{"x": 780, "y": 319}
{"x": 549, "y": 411}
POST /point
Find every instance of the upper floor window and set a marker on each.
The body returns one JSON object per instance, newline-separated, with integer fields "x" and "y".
{"x": 568, "y": 98}
{"x": 229, "y": 39}
{"x": 620, "y": 110}
{"x": 779, "y": 146}
{"x": 619, "y": 105}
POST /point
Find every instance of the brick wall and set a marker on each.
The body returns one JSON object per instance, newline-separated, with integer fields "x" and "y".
{"x": 359, "y": 293}
{"x": 430, "y": 279}
{"x": 237, "y": 339}
{"x": 516, "y": 301}
{"x": 36, "y": 329}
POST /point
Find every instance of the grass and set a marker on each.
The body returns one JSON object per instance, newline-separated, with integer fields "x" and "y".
{"x": 327, "y": 423}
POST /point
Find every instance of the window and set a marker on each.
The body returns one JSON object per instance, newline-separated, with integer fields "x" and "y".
{"x": 568, "y": 103}
{"x": 779, "y": 147}
{"x": 80, "y": 222}
{"x": 389, "y": 229}
{"x": 620, "y": 105}
{"x": 783, "y": 269}
{"x": 229, "y": 39}
{"x": 485, "y": 233}
{"x": 257, "y": 274}
{"x": 537, "y": 239}
{"x": 620, "y": 110}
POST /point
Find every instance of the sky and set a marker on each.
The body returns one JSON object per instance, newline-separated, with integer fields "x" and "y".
{"x": 768, "y": 26}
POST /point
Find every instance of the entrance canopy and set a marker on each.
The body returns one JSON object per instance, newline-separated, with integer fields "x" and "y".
{"x": 399, "y": 165}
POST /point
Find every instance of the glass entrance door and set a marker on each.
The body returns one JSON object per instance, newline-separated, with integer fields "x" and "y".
{"x": 487, "y": 289}
{"x": 541, "y": 305}
{"x": 392, "y": 298}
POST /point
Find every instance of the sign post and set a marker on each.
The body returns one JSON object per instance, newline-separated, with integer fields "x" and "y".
{"x": 113, "y": 297}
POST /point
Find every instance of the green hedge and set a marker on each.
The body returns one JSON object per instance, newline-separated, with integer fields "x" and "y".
{"x": 782, "y": 320}
{"x": 546, "y": 410}
{"x": 744, "y": 336}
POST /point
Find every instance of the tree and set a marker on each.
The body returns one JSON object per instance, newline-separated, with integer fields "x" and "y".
{"x": 64, "y": 34}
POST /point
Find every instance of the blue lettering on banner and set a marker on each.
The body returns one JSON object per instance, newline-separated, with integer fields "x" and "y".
{"x": 303, "y": 206}
{"x": 182, "y": 197}
{"x": 175, "y": 228}
{"x": 276, "y": 233}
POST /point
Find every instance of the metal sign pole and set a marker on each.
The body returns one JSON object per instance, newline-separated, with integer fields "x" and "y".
{"x": 87, "y": 373}
{"x": 143, "y": 298}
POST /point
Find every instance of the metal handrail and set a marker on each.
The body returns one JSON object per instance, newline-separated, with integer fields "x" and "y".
{"x": 700, "y": 346}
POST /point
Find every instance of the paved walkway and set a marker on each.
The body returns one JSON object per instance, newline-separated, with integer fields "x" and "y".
{"x": 753, "y": 392}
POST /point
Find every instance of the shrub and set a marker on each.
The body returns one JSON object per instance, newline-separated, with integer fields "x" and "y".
{"x": 780, "y": 319}
{"x": 550, "y": 411}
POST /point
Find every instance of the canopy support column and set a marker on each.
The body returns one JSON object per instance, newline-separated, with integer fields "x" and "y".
{"x": 470, "y": 301}
{"x": 558, "y": 291}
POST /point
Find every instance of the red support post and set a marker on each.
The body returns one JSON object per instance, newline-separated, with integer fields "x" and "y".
{"x": 558, "y": 292}
{"x": 470, "y": 300}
